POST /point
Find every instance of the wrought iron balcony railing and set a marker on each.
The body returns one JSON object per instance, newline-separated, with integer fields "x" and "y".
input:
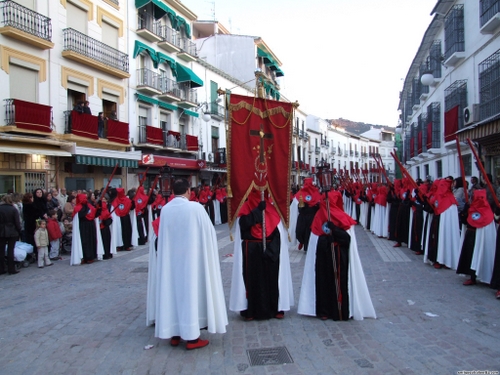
{"x": 356, "y": 153}
{"x": 216, "y": 110}
{"x": 188, "y": 94}
{"x": 146, "y": 77}
{"x": 28, "y": 115}
{"x": 148, "y": 22}
{"x": 82, "y": 44}
{"x": 188, "y": 46}
{"x": 317, "y": 150}
{"x": 168, "y": 86}
{"x": 169, "y": 35}
{"x": 351, "y": 152}
{"x": 27, "y": 20}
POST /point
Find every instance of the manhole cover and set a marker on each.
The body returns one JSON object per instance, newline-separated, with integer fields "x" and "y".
{"x": 140, "y": 269}
{"x": 269, "y": 356}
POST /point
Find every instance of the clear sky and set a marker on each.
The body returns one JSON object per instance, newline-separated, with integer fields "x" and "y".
{"x": 341, "y": 58}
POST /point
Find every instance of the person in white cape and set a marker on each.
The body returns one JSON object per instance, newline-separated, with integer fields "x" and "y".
{"x": 189, "y": 293}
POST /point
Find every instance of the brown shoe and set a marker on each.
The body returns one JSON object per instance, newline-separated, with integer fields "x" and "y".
{"x": 469, "y": 282}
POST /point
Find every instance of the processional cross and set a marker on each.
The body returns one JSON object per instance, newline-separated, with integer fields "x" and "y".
{"x": 260, "y": 133}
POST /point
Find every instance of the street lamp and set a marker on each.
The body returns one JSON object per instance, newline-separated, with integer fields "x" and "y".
{"x": 324, "y": 176}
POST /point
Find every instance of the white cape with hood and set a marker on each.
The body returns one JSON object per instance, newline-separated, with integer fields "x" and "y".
{"x": 237, "y": 300}
{"x": 360, "y": 302}
{"x": 189, "y": 293}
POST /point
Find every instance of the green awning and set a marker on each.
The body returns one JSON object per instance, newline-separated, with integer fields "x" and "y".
{"x": 146, "y": 99}
{"x": 279, "y": 73}
{"x": 166, "y": 105}
{"x": 267, "y": 59}
{"x": 182, "y": 22}
{"x": 191, "y": 113}
{"x": 160, "y": 9}
{"x": 105, "y": 162}
{"x": 167, "y": 59}
{"x": 141, "y": 47}
{"x": 185, "y": 74}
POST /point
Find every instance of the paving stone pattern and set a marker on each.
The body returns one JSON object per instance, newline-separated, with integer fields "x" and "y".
{"x": 90, "y": 319}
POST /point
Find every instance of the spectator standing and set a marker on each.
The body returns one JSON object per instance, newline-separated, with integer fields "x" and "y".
{"x": 69, "y": 207}
{"x": 42, "y": 243}
{"x": 86, "y": 108}
{"x": 55, "y": 234}
{"x": 62, "y": 197}
{"x": 10, "y": 230}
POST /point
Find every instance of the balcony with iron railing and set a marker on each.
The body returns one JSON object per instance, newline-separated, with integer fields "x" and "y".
{"x": 216, "y": 111}
{"x": 188, "y": 96}
{"x": 339, "y": 151}
{"x": 356, "y": 154}
{"x": 24, "y": 24}
{"x": 91, "y": 52}
{"x": 169, "y": 39}
{"x": 351, "y": 152}
{"x": 333, "y": 151}
{"x": 220, "y": 158}
{"x": 169, "y": 90}
{"x": 302, "y": 134}
{"x": 148, "y": 82}
{"x": 151, "y": 137}
{"x": 28, "y": 117}
{"x": 317, "y": 150}
{"x": 188, "y": 50}
{"x": 148, "y": 27}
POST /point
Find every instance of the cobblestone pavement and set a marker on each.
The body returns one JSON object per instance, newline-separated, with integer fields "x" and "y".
{"x": 91, "y": 320}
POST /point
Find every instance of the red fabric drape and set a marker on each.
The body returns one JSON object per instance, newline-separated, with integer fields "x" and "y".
{"x": 419, "y": 140}
{"x": 450, "y": 124}
{"x": 154, "y": 135}
{"x": 175, "y": 134}
{"x": 429, "y": 135}
{"x": 191, "y": 142}
{"x": 32, "y": 116}
{"x": 256, "y": 123}
{"x": 84, "y": 125}
{"x": 118, "y": 132}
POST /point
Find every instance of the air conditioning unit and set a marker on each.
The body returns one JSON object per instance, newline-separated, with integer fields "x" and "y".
{"x": 471, "y": 114}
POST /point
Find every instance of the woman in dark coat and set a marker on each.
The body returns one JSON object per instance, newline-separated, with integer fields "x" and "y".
{"x": 29, "y": 217}
{"x": 10, "y": 229}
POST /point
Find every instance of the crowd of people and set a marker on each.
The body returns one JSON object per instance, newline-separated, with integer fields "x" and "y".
{"x": 451, "y": 225}
{"x": 58, "y": 221}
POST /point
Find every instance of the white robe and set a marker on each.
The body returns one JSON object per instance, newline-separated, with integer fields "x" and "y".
{"x": 237, "y": 298}
{"x": 217, "y": 218}
{"x": 189, "y": 294}
{"x": 360, "y": 302}
{"x": 294, "y": 215}
{"x": 379, "y": 220}
{"x": 151, "y": 292}
{"x": 116, "y": 231}
{"x": 448, "y": 252}
{"x": 483, "y": 258}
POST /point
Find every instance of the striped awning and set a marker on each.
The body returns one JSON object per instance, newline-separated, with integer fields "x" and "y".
{"x": 485, "y": 129}
{"x": 105, "y": 162}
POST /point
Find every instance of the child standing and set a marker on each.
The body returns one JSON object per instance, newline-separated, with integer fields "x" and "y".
{"x": 55, "y": 235}
{"x": 42, "y": 244}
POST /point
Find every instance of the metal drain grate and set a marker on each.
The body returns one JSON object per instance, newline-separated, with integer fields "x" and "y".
{"x": 269, "y": 356}
{"x": 140, "y": 269}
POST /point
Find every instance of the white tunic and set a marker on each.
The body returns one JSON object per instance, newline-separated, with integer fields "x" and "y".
{"x": 189, "y": 294}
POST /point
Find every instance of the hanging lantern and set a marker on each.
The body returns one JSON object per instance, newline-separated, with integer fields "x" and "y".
{"x": 324, "y": 176}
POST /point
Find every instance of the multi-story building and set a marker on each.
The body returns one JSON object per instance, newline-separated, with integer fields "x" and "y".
{"x": 451, "y": 89}
{"x": 55, "y": 55}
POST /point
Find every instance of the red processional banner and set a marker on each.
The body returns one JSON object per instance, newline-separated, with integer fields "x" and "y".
{"x": 259, "y": 144}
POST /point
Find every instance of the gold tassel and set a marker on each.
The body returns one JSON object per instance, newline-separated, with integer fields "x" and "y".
{"x": 289, "y": 238}
{"x": 229, "y": 191}
{"x": 301, "y": 201}
{"x": 231, "y": 236}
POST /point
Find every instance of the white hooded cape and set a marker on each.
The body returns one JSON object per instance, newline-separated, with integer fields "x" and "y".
{"x": 360, "y": 303}
{"x": 237, "y": 299}
{"x": 189, "y": 294}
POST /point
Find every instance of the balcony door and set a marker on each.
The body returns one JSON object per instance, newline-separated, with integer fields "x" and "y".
{"x": 27, "y": 3}
{"x": 23, "y": 83}
{"x": 76, "y": 18}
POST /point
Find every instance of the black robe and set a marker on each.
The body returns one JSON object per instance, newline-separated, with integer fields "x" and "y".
{"x": 106, "y": 238}
{"x": 260, "y": 269}
{"x": 393, "y": 215}
{"x": 327, "y": 298}
{"x": 403, "y": 221}
{"x": 88, "y": 235}
{"x": 304, "y": 221}
{"x": 416, "y": 227}
{"x": 495, "y": 277}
